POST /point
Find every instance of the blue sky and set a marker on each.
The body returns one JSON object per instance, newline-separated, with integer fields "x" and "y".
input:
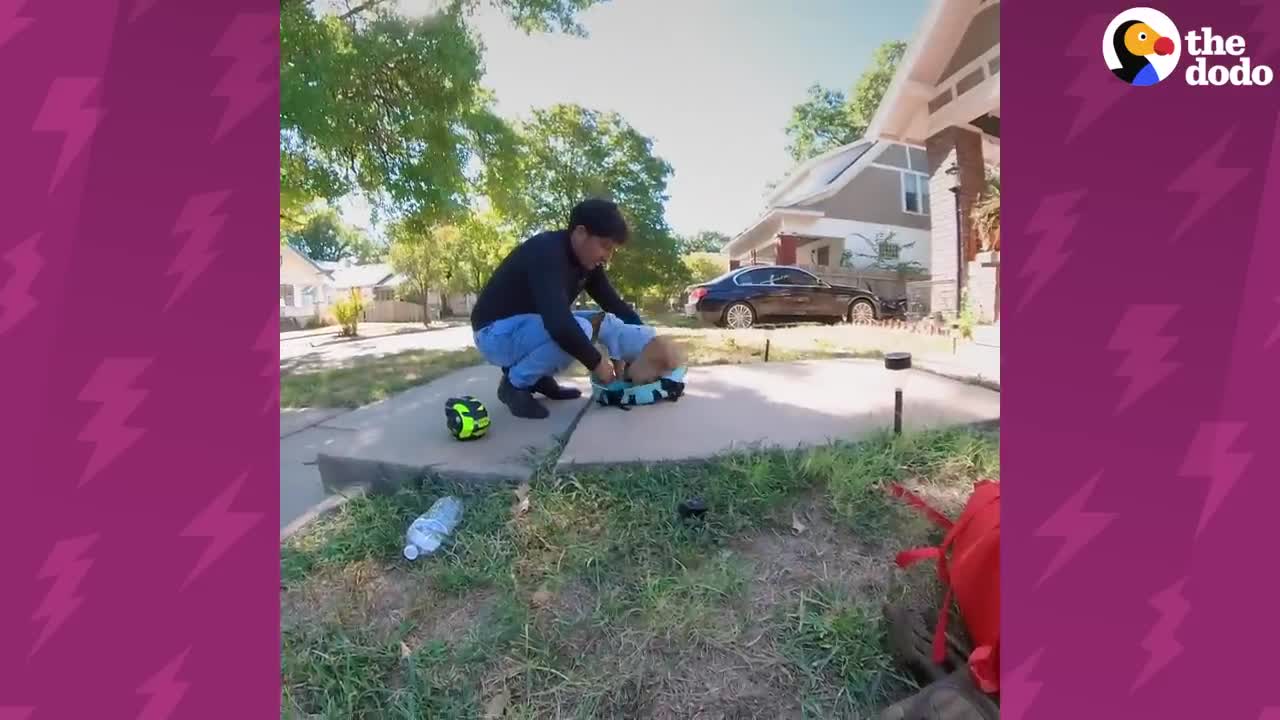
{"x": 711, "y": 81}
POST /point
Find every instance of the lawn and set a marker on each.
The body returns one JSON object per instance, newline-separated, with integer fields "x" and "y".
{"x": 593, "y": 599}
{"x": 369, "y": 379}
{"x": 374, "y": 378}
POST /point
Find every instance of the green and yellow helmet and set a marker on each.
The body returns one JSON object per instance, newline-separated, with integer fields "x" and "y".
{"x": 467, "y": 417}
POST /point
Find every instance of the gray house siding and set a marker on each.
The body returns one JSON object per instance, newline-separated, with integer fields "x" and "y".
{"x": 982, "y": 35}
{"x": 874, "y": 196}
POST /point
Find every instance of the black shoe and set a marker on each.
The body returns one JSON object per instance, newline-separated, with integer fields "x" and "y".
{"x": 555, "y": 391}
{"x": 521, "y": 402}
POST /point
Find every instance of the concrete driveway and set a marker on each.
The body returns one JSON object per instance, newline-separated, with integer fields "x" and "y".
{"x": 326, "y": 350}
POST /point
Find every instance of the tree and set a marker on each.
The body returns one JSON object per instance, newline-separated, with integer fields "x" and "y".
{"x": 423, "y": 255}
{"x": 828, "y": 119}
{"x": 569, "y": 153}
{"x": 705, "y": 241}
{"x": 486, "y": 239}
{"x": 703, "y": 268}
{"x": 321, "y": 237}
{"x": 391, "y": 107}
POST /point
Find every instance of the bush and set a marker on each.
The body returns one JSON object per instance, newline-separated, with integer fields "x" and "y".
{"x": 348, "y": 312}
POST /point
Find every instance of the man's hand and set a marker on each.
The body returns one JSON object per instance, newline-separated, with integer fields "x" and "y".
{"x": 604, "y": 372}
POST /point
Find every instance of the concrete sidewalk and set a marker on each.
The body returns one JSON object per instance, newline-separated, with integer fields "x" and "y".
{"x": 326, "y": 453}
{"x": 727, "y": 408}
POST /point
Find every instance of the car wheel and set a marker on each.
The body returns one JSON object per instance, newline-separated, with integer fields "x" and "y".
{"x": 739, "y": 316}
{"x": 861, "y": 311}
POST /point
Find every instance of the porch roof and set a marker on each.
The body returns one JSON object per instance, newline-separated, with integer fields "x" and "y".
{"x": 918, "y": 79}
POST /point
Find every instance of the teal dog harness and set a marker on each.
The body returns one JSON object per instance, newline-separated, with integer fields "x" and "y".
{"x": 624, "y": 395}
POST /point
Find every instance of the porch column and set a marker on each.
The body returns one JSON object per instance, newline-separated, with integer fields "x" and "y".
{"x": 734, "y": 264}
{"x": 787, "y": 245}
{"x": 961, "y": 149}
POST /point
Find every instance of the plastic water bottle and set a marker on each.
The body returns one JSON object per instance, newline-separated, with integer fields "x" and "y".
{"x": 432, "y": 527}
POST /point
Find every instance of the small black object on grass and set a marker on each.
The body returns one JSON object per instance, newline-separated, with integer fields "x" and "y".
{"x": 693, "y": 508}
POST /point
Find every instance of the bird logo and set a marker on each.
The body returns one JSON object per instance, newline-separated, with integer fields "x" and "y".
{"x": 1141, "y": 46}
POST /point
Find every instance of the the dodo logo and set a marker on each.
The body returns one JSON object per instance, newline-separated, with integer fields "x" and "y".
{"x": 1142, "y": 47}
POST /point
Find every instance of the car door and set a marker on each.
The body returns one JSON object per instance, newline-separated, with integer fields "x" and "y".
{"x": 806, "y": 296}
{"x": 758, "y": 288}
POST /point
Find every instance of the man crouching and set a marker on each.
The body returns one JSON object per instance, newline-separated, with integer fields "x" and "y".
{"x": 523, "y": 320}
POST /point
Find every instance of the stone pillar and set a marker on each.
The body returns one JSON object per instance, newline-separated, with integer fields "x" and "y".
{"x": 787, "y": 245}
{"x": 963, "y": 149}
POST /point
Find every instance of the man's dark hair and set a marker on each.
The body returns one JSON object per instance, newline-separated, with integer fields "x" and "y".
{"x": 601, "y": 218}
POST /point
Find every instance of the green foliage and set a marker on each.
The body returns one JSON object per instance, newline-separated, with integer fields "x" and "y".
{"x": 705, "y": 241}
{"x": 569, "y": 153}
{"x": 884, "y": 254}
{"x": 348, "y": 312}
{"x": 391, "y": 107}
{"x": 325, "y": 237}
{"x": 703, "y": 268}
{"x": 485, "y": 240}
{"x": 828, "y": 118}
{"x": 424, "y": 256}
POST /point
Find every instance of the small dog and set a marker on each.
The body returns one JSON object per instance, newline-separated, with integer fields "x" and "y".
{"x": 638, "y": 353}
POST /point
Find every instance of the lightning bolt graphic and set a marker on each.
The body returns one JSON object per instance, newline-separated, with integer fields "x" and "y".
{"x": 1139, "y": 335}
{"x": 11, "y": 23}
{"x": 1275, "y": 334}
{"x": 1160, "y": 644}
{"x": 220, "y": 525}
{"x": 1262, "y": 44}
{"x": 164, "y": 690}
{"x": 1210, "y": 456}
{"x": 1208, "y": 181}
{"x": 16, "y": 300}
{"x": 250, "y": 42}
{"x": 140, "y": 8}
{"x": 1074, "y": 526}
{"x": 111, "y": 387}
{"x": 269, "y": 343}
{"x": 201, "y": 222}
{"x": 66, "y": 566}
{"x": 1095, "y": 87}
{"x": 66, "y": 111}
{"x": 1054, "y": 220}
{"x": 1018, "y": 691}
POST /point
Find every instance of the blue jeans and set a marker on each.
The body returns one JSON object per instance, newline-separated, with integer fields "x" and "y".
{"x": 522, "y": 343}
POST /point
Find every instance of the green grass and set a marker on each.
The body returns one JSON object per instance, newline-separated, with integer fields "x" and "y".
{"x": 600, "y": 601}
{"x": 369, "y": 379}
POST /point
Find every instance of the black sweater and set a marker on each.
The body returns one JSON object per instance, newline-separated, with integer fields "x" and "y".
{"x": 542, "y": 276}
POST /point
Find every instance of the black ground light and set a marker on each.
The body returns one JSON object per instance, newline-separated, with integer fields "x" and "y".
{"x": 897, "y": 363}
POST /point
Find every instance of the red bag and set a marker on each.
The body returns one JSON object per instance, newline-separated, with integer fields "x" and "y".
{"x": 971, "y": 575}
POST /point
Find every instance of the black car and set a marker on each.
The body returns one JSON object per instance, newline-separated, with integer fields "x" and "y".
{"x": 779, "y": 293}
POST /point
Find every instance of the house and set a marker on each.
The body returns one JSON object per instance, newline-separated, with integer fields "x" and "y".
{"x": 858, "y": 205}
{"x": 375, "y": 281}
{"x": 310, "y": 288}
{"x": 306, "y": 287}
{"x": 945, "y": 97}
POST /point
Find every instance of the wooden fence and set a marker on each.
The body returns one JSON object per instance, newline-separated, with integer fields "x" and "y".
{"x": 886, "y": 284}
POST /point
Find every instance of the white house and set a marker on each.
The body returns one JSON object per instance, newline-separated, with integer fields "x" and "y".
{"x": 306, "y": 288}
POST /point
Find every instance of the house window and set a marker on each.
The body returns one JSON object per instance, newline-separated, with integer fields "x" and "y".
{"x": 286, "y": 296}
{"x": 384, "y": 293}
{"x": 823, "y": 256}
{"x": 308, "y": 295}
{"x": 915, "y": 190}
{"x": 887, "y": 250}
